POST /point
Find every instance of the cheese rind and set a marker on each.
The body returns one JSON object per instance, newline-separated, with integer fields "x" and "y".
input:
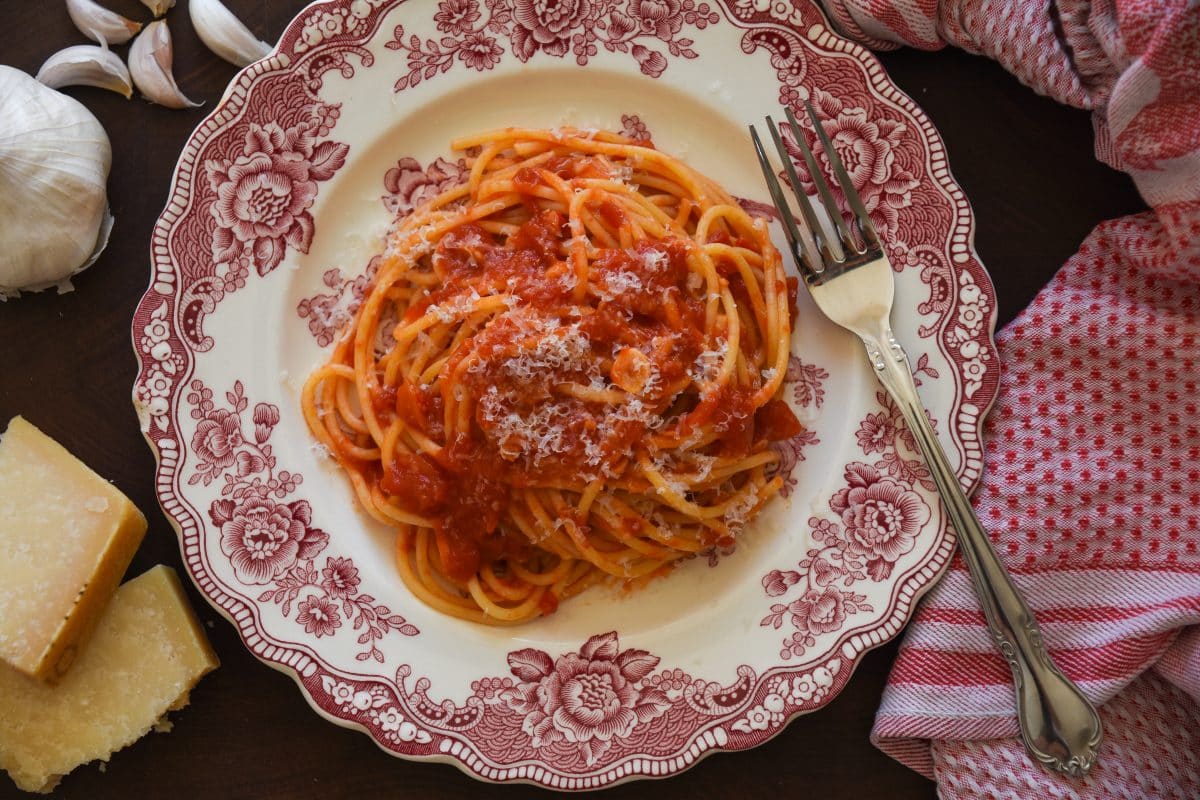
{"x": 146, "y": 654}
{"x": 66, "y": 538}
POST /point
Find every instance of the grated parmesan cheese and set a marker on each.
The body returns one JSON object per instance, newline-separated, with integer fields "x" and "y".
{"x": 458, "y": 306}
{"x": 740, "y": 511}
{"x": 701, "y": 466}
{"x": 385, "y": 332}
{"x": 654, "y": 260}
{"x": 535, "y": 437}
{"x": 708, "y": 363}
{"x": 618, "y": 283}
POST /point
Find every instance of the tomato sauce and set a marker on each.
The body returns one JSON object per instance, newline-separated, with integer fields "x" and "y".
{"x": 417, "y": 482}
{"x": 637, "y": 298}
{"x": 776, "y": 421}
{"x": 611, "y": 213}
{"x": 421, "y": 408}
{"x": 383, "y": 401}
{"x": 526, "y": 179}
{"x": 548, "y": 603}
{"x": 467, "y": 500}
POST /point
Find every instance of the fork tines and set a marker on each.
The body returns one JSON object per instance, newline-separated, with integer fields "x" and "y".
{"x": 853, "y": 250}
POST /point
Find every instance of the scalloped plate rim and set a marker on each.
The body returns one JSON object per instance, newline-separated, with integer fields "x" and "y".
{"x": 850, "y": 664}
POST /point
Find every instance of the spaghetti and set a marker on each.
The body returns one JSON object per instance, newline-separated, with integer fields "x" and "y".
{"x": 565, "y": 370}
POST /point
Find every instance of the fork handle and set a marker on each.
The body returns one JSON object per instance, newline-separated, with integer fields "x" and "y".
{"x": 1060, "y": 726}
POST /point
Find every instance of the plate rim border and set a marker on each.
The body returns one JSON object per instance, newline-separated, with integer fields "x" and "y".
{"x": 299, "y": 665}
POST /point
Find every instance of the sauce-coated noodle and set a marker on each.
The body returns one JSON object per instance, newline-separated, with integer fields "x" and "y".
{"x": 566, "y": 370}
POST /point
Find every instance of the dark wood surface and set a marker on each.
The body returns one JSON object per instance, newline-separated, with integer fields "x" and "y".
{"x": 66, "y": 364}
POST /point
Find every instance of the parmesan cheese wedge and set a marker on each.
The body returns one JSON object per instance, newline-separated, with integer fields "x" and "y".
{"x": 66, "y": 538}
{"x": 147, "y": 653}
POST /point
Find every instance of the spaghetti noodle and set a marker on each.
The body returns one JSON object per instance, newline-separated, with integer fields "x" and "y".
{"x": 567, "y": 369}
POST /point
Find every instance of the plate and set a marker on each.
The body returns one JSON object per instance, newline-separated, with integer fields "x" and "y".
{"x": 279, "y": 201}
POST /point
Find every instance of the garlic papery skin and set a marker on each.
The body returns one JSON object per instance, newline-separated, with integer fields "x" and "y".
{"x": 87, "y": 65}
{"x": 98, "y": 23}
{"x": 54, "y": 162}
{"x": 224, "y": 33}
{"x": 150, "y": 58}
{"x": 159, "y": 7}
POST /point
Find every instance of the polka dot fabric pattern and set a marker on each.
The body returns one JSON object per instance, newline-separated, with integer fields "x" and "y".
{"x": 1149, "y": 719}
{"x": 1091, "y": 489}
{"x": 1101, "y": 433}
{"x": 1091, "y": 492}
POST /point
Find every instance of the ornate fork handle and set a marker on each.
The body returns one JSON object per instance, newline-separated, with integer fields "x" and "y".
{"x": 1060, "y": 727}
{"x": 852, "y": 285}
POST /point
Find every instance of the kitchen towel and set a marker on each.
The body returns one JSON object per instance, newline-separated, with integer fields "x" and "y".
{"x": 1091, "y": 488}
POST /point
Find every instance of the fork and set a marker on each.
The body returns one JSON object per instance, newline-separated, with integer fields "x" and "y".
{"x": 852, "y": 285}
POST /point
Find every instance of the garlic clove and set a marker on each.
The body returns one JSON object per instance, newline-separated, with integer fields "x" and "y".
{"x": 159, "y": 7}
{"x": 98, "y": 23}
{"x": 224, "y": 33}
{"x": 86, "y": 65}
{"x": 54, "y": 162}
{"x": 150, "y": 59}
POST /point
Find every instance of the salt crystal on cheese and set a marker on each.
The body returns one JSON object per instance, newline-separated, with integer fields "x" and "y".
{"x": 66, "y": 538}
{"x": 147, "y": 653}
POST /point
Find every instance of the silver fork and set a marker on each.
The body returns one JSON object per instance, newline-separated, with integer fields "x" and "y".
{"x": 853, "y": 286}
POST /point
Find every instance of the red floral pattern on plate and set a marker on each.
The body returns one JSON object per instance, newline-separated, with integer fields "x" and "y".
{"x": 473, "y": 35}
{"x": 272, "y": 543}
{"x": 582, "y": 710}
{"x": 329, "y": 312}
{"x": 879, "y": 518}
{"x": 409, "y": 184}
{"x": 867, "y": 147}
{"x": 244, "y": 194}
{"x": 261, "y": 176}
{"x": 807, "y": 382}
{"x": 632, "y": 127}
{"x": 264, "y": 193}
{"x": 587, "y": 698}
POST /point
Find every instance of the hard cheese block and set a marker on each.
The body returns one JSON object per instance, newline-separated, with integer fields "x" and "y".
{"x": 66, "y": 538}
{"x": 147, "y": 652}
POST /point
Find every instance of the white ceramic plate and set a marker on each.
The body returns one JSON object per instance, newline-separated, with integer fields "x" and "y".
{"x": 278, "y": 204}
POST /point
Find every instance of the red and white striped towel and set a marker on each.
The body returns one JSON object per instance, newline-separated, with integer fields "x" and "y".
{"x": 1092, "y": 481}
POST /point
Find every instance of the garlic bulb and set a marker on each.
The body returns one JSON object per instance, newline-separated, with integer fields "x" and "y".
{"x": 54, "y": 161}
{"x": 225, "y": 34}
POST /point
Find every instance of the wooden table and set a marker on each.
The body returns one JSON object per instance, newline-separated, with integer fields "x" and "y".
{"x": 66, "y": 364}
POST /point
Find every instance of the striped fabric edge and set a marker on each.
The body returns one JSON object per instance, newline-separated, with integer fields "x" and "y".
{"x": 1060, "y": 588}
{"x": 975, "y": 708}
{"x": 1152, "y": 747}
{"x": 950, "y": 682}
{"x": 1068, "y": 628}
{"x": 1122, "y": 658}
{"x": 1152, "y": 751}
{"x": 895, "y": 737}
{"x": 1181, "y": 663}
{"x": 992, "y": 702}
